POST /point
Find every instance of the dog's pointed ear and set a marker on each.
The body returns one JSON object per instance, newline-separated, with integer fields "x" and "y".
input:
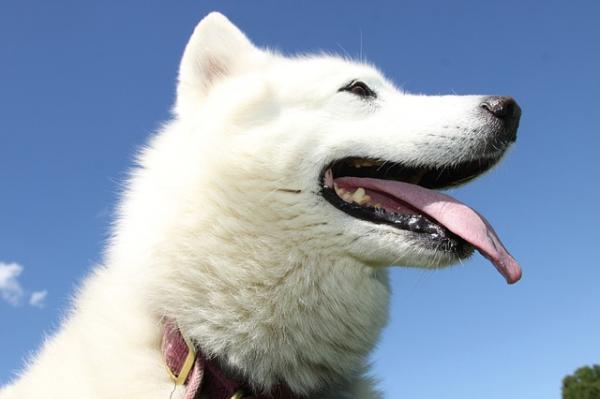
{"x": 216, "y": 50}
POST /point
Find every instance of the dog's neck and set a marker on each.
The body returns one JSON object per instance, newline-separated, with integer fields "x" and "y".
{"x": 309, "y": 326}
{"x": 251, "y": 284}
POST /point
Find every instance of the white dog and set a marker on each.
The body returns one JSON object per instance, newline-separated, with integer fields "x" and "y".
{"x": 258, "y": 226}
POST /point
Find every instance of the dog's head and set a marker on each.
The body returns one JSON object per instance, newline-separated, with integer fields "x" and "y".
{"x": 326, "y": 156}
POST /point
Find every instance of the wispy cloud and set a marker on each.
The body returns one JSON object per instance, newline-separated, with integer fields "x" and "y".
{"x": 37, "y": 298}
{"x": 11, "y": 290}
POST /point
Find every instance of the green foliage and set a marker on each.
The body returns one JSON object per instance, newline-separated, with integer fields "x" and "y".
{"x": 583, "y": 384}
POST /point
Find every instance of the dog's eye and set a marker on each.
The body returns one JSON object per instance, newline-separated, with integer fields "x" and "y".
{"x": 359, "y": 88}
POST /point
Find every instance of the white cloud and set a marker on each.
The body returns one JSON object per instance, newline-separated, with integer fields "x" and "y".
{"x": 37, "y": 298}
{"x": 10, "y": 288}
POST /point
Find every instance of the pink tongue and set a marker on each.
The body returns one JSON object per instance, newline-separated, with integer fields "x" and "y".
{"x": 454, "y": 215}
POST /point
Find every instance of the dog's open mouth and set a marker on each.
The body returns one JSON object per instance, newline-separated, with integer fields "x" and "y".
{"x": 400, "y": 196}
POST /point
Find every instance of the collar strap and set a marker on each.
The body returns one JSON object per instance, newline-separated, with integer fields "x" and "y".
{"x": 188, "y": 366}
{"x": 180, "y": 357}
{"x": 178, "y": 353}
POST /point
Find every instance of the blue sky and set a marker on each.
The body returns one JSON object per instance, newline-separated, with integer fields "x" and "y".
{"x": 84, "y": 83}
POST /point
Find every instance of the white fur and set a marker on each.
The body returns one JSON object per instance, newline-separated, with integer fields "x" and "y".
{"x": 280, "y": 285}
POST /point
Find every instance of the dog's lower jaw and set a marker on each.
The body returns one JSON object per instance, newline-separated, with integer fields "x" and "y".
{"x": 309, "y": 325}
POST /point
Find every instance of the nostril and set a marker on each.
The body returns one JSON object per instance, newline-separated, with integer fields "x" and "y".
{"x": 502, "y": 107}
{"x": 506, "y": 116}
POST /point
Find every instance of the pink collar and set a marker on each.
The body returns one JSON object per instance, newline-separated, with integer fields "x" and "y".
{"x": 190, "y": 367}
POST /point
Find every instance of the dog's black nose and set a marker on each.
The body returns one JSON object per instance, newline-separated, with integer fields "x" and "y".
{"x": 502, "y": 107}
{"x": 507, "y": 111}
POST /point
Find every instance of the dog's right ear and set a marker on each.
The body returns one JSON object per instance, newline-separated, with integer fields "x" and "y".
{"x": 216, "y": 50}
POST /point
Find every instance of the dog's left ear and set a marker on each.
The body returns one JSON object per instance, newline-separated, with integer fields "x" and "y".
{"x": 216, "y": 50}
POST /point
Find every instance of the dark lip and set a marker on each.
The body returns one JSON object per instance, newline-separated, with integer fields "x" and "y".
{"x": 427, "y": 232}
{"x": 432, "y": 177}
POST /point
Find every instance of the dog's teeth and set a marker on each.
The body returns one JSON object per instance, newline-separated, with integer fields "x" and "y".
{"x": 339, "y": 191}
{"x": 377, "y": 206}
{"x": 347, "y": 197}
{"x": 364, "y": 200}
{"x": 360, "y": 196}
{"x": 358, "y": 163}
